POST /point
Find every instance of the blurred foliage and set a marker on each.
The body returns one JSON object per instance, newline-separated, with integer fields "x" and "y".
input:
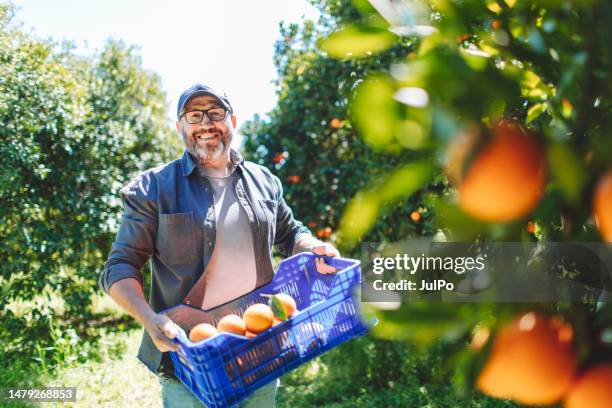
{"x": 310, "y": 142}
{"x": 73, "y": 130}
{"x": 374, "y": 97}
{"x": 544, "y": 64}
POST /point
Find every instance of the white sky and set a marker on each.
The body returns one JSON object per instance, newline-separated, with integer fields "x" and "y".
{"x": 234, "y": 40}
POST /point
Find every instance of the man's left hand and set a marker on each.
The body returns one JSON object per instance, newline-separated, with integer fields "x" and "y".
{"x": 325, "y": 249}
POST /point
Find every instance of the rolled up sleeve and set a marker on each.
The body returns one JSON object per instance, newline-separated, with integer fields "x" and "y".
{"x": 135, "y": 240}
{"x": 288, "y": 229}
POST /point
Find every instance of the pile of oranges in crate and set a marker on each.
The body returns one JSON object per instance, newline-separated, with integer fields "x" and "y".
{"x": 255, "y": 319}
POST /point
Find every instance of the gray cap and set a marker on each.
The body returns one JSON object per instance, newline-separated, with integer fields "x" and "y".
{"x": 197, "y": 90}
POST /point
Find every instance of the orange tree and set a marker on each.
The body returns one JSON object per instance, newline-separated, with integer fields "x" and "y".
{"x": 474, "y": 121}
{"x": 511, "y": 99}
{"x": 72, "y": 132}
{"x": 309, "y": 140}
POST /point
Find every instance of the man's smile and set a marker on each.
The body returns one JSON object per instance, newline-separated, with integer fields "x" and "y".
{"x": 206, "y": 137}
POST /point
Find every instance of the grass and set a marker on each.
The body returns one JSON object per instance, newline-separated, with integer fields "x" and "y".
{"x": 111, "y": 376}
{"x": 116, "y": 380}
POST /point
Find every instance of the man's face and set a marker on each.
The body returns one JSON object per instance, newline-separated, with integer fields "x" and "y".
{"x": 207, "y": 141}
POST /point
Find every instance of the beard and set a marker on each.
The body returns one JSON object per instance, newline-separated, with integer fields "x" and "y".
{"x": 206, "y": 152}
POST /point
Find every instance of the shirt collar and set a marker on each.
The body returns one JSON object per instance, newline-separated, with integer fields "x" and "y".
{"x": 189, "y": 165}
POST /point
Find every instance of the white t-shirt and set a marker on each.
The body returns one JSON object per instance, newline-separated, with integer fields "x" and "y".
{"x": 231, "y": 271}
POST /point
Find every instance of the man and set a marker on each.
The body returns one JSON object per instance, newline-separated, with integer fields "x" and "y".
{"x": 208, "y": 222}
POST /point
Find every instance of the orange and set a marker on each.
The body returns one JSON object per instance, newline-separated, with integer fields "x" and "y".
{"x": 592, "y": 390}
{"x": 258, "y": 318}
{"x": 232, "y": 324}
{"x": 531, "y": 227}
{"x": 324, "y": 232}
{"x": 531, "y": 361}
{"x": 335, "y": 123}
{"x": 506, "y": 179}
{"x": 278, "y": 158}
{"x": 294, "y": 179}
{"x": 602, "y": 206}
{"x": 202, "y": 331}
{"x": 415, "y": 216}
{"x": 288, "y": 304}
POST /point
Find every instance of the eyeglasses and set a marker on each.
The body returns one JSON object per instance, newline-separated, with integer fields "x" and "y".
{"x": 197, "y": 116}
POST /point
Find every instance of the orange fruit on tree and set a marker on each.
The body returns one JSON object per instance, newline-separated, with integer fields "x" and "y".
{"x": 506, "y": 178}
{"x": 324, "y": 232}
{"x": 294, "y": 179}
{"x": 278, "y": 157}
{"x": 232, "y": 324}
{"x": 531, "y": 361}
{"x": 531, "y": 227}
{"x": 592, "y": 390}
{"x": 335, "y": 123}
{"x": 602, "y": 206}
{"x": 415, "y": 216}
{"x": 258, "y": 317}
{"x": 202, "y": 331}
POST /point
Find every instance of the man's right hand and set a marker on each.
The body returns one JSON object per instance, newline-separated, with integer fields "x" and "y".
{"x": 162, "y": 330}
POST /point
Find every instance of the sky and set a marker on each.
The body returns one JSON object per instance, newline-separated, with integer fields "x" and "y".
{"x": 228, "y": 44}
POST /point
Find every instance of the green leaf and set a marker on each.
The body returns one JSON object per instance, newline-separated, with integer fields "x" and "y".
{"x": 359, "y": 216}
{"x": 357, "y": 41}
{"x": 411, "y": 134}
{"x": 376, "y": 113}
{"x": 404, "y": 181}
{"x": 567, "y": 170}
{"x": 277, "y": 307}
{"x": 423, "y": 323}
{"x": 362, "y": 211}
{"x": 535, "y": 111}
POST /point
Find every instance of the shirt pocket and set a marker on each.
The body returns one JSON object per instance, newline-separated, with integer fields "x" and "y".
{"x": 176, "y": 240}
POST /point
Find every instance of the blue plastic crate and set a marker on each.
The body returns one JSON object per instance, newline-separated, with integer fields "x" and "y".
{"x": 226, "y": 369}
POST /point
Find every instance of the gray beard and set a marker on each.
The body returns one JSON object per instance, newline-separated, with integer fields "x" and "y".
{"x": 205, "y": 153}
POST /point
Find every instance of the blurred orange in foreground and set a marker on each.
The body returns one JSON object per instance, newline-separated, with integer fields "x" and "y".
{"x": 592, "y": 390}
{"x": 531, "y": 361}
{"x": 506, "y": 179}
{"x": 602, "y": 206}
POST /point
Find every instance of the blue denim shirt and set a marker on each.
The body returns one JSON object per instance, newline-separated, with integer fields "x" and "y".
{"x": 169, "y": 218}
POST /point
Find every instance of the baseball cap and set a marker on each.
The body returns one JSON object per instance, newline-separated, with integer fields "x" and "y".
{"x": 197, "y": 90}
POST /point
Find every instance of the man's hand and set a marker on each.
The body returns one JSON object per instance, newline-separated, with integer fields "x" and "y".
{"x": 324, "y": 249}
{"x": 162, "y": 330}
{"x": 129, "y": 295}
